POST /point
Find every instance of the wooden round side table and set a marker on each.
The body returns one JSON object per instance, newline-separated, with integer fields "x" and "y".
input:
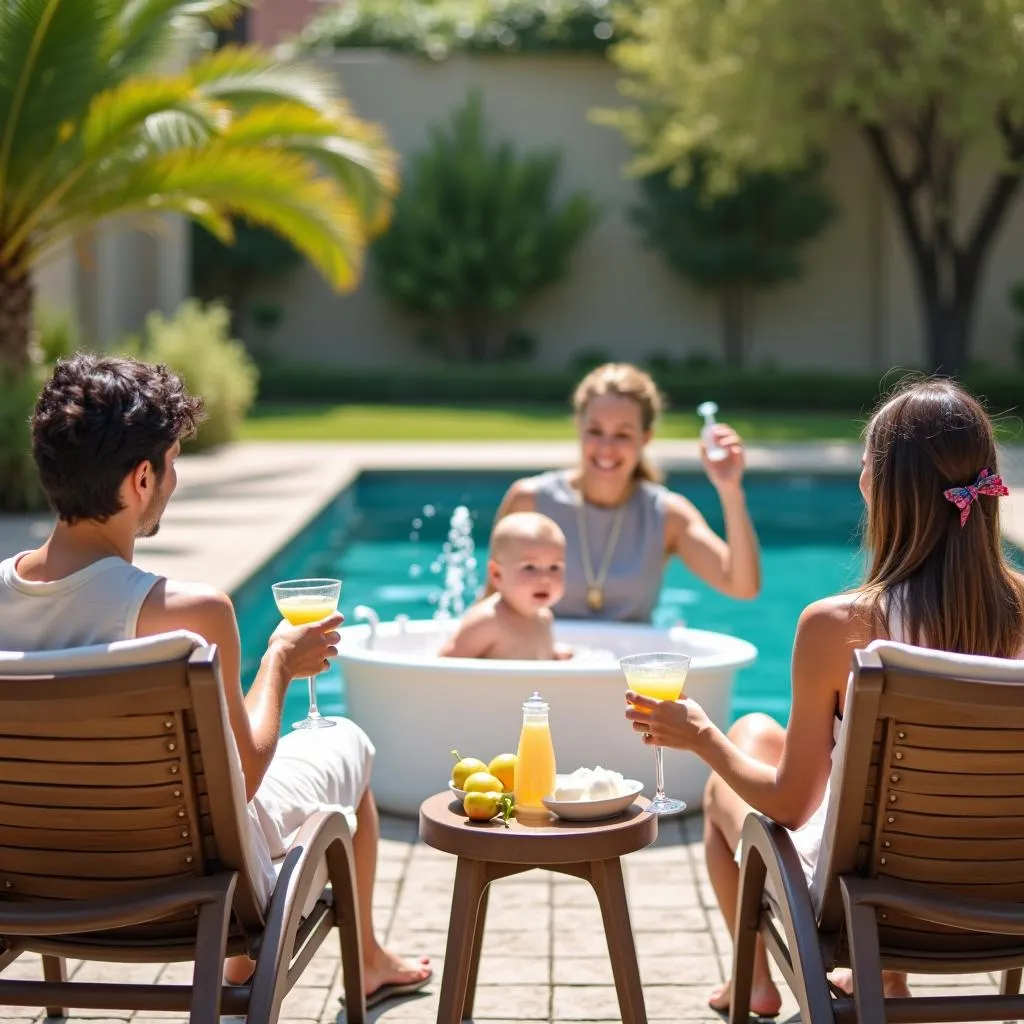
{"x": 487, "y": 851}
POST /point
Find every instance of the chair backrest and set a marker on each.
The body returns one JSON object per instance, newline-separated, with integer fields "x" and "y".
{"x": 118, "y": 772}
{"x": 928, "y": 787}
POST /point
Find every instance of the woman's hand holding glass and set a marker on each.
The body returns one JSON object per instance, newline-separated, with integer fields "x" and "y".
{"x": 728, "y": 472}
{"x": 678, "y": 724}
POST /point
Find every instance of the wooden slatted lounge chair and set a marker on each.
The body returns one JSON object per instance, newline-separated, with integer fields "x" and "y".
{"x": 922, "y": 862}
{"x": 124, "y": 837}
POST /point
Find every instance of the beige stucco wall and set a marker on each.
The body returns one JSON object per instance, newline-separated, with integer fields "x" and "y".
{"x": 854, "y": 308}
{"x": 112, "y": 278}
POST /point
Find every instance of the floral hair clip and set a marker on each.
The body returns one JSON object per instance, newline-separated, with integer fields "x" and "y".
{"x": 963, "y": 497}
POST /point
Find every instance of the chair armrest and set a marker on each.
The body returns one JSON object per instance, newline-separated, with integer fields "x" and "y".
{"x": 324, "y": 835}
{"x": 141, "y": 907}
{"x": 770, "y": 860}
{"x": 926, "y": 904}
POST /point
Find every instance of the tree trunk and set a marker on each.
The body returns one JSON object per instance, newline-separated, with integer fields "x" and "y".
{"x": 730, "y": 304}
{"x": 947, "y": 269}
{"x": 16, "y": 295}
{"x": 476, "y": 336}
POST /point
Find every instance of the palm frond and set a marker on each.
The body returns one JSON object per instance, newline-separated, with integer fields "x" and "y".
{"x": 115, "y": 115}
{"x": 158, "y": 113}
{"x": 244, "y": 76}
{"x": 48, "y": 73}
{"x": 144, "y": 29}
{"x": 281, "y": 191}
{"x": 352, "y": 152}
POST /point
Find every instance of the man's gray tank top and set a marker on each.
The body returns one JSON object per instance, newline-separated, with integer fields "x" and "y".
{"x": 633, "y": 582}
{"x": 96, "y": 605}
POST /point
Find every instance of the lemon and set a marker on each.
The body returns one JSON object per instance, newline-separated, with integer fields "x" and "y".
{"x": 464, "y": 767}
{"x": 503, "y": 768}
{"x": 481, "y": 806}
{"x": 482, "y": 782}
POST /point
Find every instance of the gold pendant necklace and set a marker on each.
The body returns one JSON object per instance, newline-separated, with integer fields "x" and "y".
{"x": 595, "y": 584}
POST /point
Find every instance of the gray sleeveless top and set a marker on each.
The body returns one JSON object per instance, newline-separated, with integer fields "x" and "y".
{"x": 634, "y": 575}
{"x": 96, "y": 605}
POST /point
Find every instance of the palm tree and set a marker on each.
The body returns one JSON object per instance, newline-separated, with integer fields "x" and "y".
{"x": 90, "y": 129}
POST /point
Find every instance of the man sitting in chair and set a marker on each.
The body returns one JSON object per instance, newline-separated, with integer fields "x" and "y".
{"x": 105, "y": 436}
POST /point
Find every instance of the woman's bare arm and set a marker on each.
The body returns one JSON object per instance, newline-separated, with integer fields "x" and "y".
{"x": 828, "y": 633}
{"x": 731, "y": 565}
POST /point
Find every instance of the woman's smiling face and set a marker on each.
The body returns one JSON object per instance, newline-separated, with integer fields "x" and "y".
{"x": 611, "y": 437}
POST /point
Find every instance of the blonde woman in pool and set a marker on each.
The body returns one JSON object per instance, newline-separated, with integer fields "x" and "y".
{"x": 622, "y": 525}
{"x": 526, "y": 570}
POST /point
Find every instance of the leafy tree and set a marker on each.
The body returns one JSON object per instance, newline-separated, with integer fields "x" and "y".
{"x": 932, "y": 86}
{"x": 89, "y": 130}
{"x": 732, "y": 244}
{"x": 477, "y": 231}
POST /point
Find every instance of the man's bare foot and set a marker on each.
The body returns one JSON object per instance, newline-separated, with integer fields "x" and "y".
{"x": 894, "y": 983}
{"x": 385, "y": 968}
{"x": 765, "y": 999}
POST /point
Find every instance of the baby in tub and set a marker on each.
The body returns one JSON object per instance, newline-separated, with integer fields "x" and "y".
{"x": 526, "y": 570}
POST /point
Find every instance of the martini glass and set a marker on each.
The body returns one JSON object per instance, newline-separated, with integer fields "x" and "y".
{"x": 659, "y": 675}
{"x": 302, "y": 602}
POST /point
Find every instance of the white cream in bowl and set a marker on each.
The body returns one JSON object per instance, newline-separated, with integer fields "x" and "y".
{"x": 590, "y": 784}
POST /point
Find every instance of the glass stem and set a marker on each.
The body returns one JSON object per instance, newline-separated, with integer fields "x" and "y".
{"x": 313, "y": 710}
{"x": 659, "y": 773}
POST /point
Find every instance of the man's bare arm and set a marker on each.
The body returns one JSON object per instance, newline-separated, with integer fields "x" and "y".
{"x": 255, "y": 717}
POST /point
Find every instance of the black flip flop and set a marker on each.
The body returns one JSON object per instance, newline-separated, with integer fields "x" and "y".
{"x": 394, "y": 990}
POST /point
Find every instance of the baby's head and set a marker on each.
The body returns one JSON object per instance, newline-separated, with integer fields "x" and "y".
{"x": 527, "y": 563}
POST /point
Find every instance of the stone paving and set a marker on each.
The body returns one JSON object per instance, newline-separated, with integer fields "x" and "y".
{"x": 544, "y": 957}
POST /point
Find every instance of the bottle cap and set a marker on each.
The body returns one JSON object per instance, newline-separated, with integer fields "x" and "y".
{"x": 536, "y": 704}
{"x": 707, "y": 410}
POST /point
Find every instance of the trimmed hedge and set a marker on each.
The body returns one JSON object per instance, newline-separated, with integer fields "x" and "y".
{"x": 788, "y": 391}
{"x": 442, "y": 27}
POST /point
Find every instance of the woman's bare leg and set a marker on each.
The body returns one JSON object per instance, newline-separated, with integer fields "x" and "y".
{"x": 724, "y": 813}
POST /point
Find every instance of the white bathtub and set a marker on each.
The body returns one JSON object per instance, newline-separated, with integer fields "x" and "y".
{"x": 417, "y": 707}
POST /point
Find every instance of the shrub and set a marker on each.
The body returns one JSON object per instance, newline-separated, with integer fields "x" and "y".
{"x": 437, "y": 29}
{"x": 197, "y": 344}
{"x": 20, "y": 491}
{"x": 477, "y": 232}
{"x": 684, "y": 386}
{"x": 55, "y": 336}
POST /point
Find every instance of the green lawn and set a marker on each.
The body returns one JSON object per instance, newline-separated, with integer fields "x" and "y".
{"x": 444, "y": 423}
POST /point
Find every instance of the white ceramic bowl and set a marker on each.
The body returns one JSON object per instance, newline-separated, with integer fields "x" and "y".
{"x": 460, "y": 793}
{"x": 593, "y": 810}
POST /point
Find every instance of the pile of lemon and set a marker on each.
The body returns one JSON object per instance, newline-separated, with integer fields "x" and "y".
{"x": 488, "y": 787}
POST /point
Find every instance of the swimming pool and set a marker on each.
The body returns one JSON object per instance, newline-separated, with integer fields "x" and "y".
{"x": 380, "y": 538}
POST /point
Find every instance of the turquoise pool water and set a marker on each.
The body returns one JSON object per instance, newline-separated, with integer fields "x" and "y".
{"x": 378, "y": 539}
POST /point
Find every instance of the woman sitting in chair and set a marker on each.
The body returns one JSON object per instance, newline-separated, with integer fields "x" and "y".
{"x": 937, "y": 577}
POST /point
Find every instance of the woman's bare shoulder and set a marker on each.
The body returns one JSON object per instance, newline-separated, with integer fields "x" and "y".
{"x": 845, "y": 618}
{"x": 521, "y": 496}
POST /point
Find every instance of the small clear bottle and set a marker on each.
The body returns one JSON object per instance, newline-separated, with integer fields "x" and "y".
{"x": 535, "y": 761}
{"x": 714, "y": 450}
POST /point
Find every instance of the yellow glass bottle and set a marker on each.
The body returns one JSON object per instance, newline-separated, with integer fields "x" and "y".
{"x": 535, "y": 761}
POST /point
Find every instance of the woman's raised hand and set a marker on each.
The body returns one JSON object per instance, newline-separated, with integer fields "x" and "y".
{"x": 727, "y": 472}
{"x": 679, "y": 724}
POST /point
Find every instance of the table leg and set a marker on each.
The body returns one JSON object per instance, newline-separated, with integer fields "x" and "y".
{"x": 470, "y": 885}
{"x": 606, "y": 878}
{"x": 474, "y": 962}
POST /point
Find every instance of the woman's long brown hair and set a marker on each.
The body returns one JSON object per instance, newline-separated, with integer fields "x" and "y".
{"x": 951, "y": 587}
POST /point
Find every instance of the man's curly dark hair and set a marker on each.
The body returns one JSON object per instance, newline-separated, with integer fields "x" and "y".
{"x": 96, "y": 419}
